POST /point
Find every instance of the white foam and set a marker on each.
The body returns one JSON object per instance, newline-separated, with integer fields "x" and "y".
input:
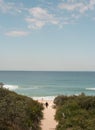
{"x": 90, "y": 89}
{"x": 11, "y": 87}
{"x": 44, "y": 98}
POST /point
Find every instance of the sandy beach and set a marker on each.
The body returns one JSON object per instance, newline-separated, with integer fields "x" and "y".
{"x": 48, "y": 122}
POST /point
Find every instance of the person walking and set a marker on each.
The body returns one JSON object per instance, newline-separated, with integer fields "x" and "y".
{"x": 46, "y": 104}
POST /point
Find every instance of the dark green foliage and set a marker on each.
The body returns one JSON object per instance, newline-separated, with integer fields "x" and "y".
{"x": 75, "y": 112}
{"x": 1, "y": 84}
{"x": 19, "y": 112}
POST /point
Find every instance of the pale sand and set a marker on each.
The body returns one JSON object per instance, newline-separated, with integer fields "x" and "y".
{"x": 48, "y": 123}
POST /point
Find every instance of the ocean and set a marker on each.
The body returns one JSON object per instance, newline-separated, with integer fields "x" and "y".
{"x": 49, "y": 84}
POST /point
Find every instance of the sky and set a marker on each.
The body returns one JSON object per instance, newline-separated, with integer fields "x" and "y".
{"x": 47, "y": 35}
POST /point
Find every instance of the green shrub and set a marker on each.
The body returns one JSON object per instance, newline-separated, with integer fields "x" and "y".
{"x": 19, "y": 112}
{"x": 75, "y": 112}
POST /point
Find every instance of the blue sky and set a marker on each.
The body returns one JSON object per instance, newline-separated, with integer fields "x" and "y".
{"x": 47, "y": 35}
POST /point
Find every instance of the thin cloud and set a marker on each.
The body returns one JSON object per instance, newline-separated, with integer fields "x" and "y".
{"x": 73, "y": 10}
{"x": 40, "y": 17}
{"x": 16, "y": 33}
{"x": 70, "y": 7}
{"x": 80, "y": 6}
{"x": 10, "y": 7}
{"x": 64, "y": 12}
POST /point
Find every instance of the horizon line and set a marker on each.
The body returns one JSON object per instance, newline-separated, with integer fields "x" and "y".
{"x": 53, "y": 70}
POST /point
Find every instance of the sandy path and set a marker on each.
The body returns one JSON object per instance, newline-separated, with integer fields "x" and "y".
{"x": 48, "y": 123}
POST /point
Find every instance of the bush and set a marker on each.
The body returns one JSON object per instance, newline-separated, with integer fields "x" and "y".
{"x": 19, "y": 112}
{"x": 75, "y": 112}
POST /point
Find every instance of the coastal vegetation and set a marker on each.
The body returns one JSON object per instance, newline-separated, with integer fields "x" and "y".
{"x": 75, "y": 112}
{"x": 19, "y": 112}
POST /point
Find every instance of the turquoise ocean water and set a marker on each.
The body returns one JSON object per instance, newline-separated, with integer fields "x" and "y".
{"x": 48, "y": 84}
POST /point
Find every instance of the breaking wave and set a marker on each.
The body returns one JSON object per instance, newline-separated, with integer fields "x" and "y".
{"x": 11, "y": 87}
{"x": 44, "y": 98}
{"x": 90, "y": 89}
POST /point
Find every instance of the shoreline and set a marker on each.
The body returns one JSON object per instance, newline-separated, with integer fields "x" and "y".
{"x": 44, "y": 98}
